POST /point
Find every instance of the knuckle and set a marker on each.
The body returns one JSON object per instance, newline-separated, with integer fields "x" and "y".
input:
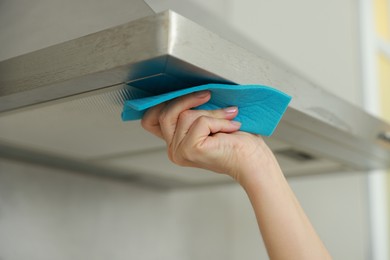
{"x": 176, "y": 158}
{"x": 198, "y": 149}
{"x": 145, "y": 123}
{"x": 163, "y": 117}
{"x": 187, "y": 116}
{"x": 192, "y": 152}
{"x": 171, "y": 156}
{"x": 203, "y": 120}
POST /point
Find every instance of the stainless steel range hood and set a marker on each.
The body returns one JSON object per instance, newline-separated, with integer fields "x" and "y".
{"x": 60, "y": 106}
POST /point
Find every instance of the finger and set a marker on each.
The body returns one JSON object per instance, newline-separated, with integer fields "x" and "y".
{"x": 204, "y": 126}
{"x": 150, "y": 120}
{"x": 188, "y": 117}
{"x": 170, "y": 114}
{"x": 193, "y": 147}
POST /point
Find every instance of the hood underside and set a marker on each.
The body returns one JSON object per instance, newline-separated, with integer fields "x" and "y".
{"x": 61, "y": 105}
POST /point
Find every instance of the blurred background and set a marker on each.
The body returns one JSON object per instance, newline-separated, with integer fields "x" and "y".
{"x": 342, "y": 46}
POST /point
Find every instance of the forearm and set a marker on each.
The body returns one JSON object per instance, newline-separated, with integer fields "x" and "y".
{"x": 286, "y": 230}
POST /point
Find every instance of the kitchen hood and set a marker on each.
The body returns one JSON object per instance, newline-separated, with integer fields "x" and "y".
{"x": 60, "y": 106}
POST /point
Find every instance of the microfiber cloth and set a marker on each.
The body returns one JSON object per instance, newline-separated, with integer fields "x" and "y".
{"x": 260, "y": 108}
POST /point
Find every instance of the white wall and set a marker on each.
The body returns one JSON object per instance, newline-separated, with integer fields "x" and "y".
{"x": 220, "y": 224}
{"x": 48, "y": 214}
{"x": 51, "y": 214}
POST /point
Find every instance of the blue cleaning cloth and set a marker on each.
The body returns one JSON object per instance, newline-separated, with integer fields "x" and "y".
{"x": 260, "y": 108}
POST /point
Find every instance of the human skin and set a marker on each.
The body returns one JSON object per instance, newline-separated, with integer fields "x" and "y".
{"x": 211, "y": 140}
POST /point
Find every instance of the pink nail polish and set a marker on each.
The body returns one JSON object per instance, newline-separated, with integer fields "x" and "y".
{"x": 231, "y": 110}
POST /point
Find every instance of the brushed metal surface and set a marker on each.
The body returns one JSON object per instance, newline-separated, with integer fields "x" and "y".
{"x": 86, "y": 130}
{"x": 76, "y": 89}
{"x": 91, "y": 62}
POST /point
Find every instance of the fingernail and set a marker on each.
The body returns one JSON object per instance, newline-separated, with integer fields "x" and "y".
{"x": 201, "y": 94}
{"x": 230, "y": 110}
{"x": 236, "y": 123}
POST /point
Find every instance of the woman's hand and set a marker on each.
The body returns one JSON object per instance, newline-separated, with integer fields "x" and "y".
{"x": 207, "y": 139}
{"x": 211, "y": 140}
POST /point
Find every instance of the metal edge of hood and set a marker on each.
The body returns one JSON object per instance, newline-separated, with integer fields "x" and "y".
{"x": 167, "y": 43}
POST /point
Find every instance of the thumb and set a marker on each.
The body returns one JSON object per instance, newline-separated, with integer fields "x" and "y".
{"x": 205, "y": 126}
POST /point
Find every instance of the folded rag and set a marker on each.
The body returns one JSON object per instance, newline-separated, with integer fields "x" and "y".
{"x": 260, "y": 108}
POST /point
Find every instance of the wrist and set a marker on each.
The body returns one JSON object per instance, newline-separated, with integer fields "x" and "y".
{"x": 258, "y": 171}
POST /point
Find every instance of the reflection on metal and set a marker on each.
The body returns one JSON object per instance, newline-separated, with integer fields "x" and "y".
{"x": 384, "y": 136}
{"x": 66, "y": 100}
{"x": 296, "y": 155}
